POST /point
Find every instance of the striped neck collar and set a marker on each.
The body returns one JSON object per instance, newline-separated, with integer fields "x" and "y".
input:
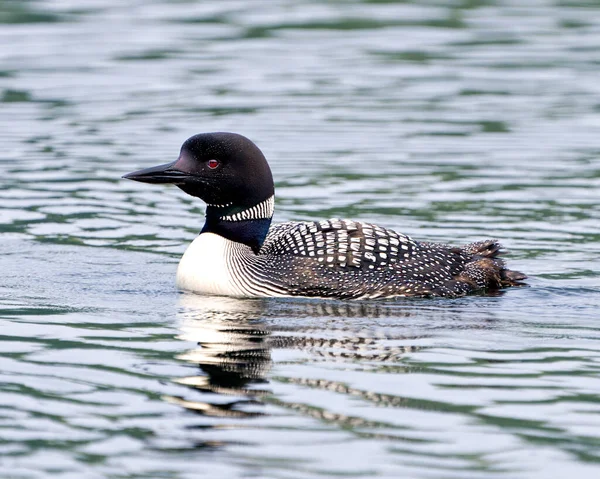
{"x": 248, "y": 226}
{"x": 261, "y": 211}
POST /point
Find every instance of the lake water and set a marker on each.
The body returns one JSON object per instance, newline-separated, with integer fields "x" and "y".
{"x": 450, "y": 121}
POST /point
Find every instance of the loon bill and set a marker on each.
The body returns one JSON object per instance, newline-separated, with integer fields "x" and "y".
{"x": 240, "y": 253}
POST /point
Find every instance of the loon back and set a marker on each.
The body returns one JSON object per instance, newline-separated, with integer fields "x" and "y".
{"x": 239, "y": 252}
{"x": 351, "y": 259}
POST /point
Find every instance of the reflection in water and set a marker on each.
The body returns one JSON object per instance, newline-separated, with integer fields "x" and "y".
{"x": 235, "y": 340}
{"x": 365, "y": 391}
{"x": 234, "y": 354}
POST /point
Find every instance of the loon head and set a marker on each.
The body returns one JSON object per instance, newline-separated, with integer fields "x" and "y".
{"x": 231, "y": 175}
{"x": 225, "y": 170}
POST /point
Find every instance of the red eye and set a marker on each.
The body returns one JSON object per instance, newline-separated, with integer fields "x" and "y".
{"x": 212, "y": 164}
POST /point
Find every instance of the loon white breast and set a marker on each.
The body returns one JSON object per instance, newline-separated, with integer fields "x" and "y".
{"x": 240, "y": 253}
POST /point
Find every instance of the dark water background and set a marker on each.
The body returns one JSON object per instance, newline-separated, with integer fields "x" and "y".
{"x": 450, "y": 121}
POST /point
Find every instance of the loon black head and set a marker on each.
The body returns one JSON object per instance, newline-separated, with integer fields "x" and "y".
{"x": 231, "y": 175}
{"x": 220, "y": 168}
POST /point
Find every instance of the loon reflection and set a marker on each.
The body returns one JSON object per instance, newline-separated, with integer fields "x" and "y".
{"x": 236, "y": 338}
{"x": 233, "y": 354}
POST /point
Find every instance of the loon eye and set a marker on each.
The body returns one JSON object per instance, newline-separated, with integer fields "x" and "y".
{"x": 212, "y": 164}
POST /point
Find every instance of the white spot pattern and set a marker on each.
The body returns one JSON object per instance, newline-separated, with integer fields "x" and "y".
{"x": 340, "y": 241}
{"x": 349, "y": 259}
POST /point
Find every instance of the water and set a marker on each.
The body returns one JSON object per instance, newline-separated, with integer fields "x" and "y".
{"x": 448, "y": 121}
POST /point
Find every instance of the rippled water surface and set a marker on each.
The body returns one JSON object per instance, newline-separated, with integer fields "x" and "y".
{"x": 447, "y": 120}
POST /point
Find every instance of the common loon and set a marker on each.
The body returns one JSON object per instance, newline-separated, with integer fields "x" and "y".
{"x": 239, "y": 253}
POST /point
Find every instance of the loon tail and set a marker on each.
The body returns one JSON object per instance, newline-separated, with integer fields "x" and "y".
{"x": 491, "y": 249}
{"x": 485, "y": 272}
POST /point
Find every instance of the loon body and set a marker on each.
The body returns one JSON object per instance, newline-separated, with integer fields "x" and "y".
{"x": 239, "y": 253}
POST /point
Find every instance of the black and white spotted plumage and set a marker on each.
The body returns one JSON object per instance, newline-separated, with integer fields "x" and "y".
{"x": 240, "y": 253}
{"x": 350, "y": 259}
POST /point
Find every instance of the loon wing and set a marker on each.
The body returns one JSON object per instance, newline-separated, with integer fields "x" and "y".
{"x": 340, "y": 243}
{"x": 366, "y": 260}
